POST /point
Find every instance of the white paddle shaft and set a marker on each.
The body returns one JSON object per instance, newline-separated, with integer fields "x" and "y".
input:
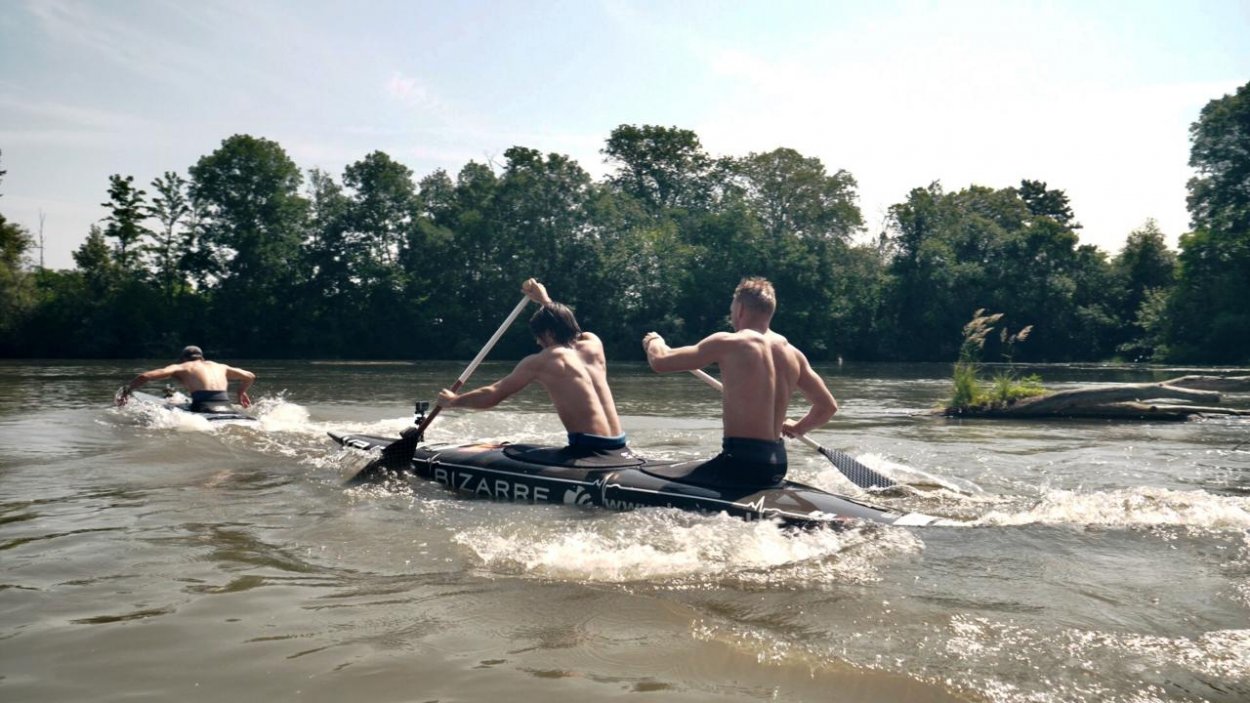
{"x": 491, "y": 344}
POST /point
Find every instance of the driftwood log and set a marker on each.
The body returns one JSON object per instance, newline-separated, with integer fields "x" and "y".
{"x": 1197, "y": 396}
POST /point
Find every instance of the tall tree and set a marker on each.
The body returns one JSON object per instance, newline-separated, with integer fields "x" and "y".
{"x": 127, "y": 210}
{"x": 253, "y": 222}
{"x": 540, "y": 209}
{"x": 96, "y": 261}
{"x": 663, "y": 167}
{"x": 381, "y": 216}
{"x": 1043, "y": 202}
{"x": 383, "y": 206}
{"x": 170, "y": 207}
{"x": 1208, "y": 316}
{"x": 794, "y": 195}
{"x": 16, "y": 285}
{"x": 1145, "y": 263}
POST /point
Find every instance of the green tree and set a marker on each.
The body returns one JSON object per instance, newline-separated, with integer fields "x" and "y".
{"x": 170, "y": 208}
{"x": 663, "y": 167}
{"x": 254, "y": 219}
{"x": 1145, "y": 269}
{"x": 1208, "y": 317}
{"x": 97, "y": 263}
{"x": 383, "y": 206}
{"x": 1145, "y": 262}
{"x": 540, "y": 211}
{"x": 382, "y": 215}
{"x": 981, "y": 247}
{"x": 1043, "y": 202}
{"x": 792, "y": 194}
{"x": 16, "y": 285}
{"x": 127, "y": 210}
{"x": 111, "y": 312}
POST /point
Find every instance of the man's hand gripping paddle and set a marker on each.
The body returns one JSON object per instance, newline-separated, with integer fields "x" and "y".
{"x": 398, "y": 454}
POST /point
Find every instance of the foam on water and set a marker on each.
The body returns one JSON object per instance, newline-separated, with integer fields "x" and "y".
{"x": 1132, "y": 507}
{"x": 680, "y": 548}
{"x": 274, "y": 413}
{"x": 1158, "y": 664}
{"x": 161, "y": 416}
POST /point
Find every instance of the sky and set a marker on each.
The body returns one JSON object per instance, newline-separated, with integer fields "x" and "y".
{"x": 1093, "y": 97}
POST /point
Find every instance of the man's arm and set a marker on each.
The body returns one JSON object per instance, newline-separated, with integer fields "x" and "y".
{"x": 813, "y": 388}
{"x": 245, "y": 379}
{"x": 485, "y": 397}
{"x": 145, "y": 377}
{"x": 664, "y": 359}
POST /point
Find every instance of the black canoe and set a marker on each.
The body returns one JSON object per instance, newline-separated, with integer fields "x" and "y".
{"x": 224, "y": 414}
{"x": 528, "y": 473}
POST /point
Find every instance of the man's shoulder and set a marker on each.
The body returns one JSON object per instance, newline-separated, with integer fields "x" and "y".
{"x": 779, "y": 339}
{"x": 587, "y": 339}
{"x": 550, "y": 355}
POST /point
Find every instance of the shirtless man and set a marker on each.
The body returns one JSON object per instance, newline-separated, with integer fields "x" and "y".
{"x": 571, "y": 367}
{"x": 760, "y": 371}
{"x": 208, "y": 381}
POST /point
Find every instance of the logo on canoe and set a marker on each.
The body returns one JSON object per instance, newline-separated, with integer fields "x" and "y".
{"x": 577, "y": 496}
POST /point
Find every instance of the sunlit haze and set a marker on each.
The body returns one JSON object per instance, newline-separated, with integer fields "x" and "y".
{"x": 1095, "y": 99}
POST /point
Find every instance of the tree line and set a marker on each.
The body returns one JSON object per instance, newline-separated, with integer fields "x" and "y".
{"x": 249, "y": 256}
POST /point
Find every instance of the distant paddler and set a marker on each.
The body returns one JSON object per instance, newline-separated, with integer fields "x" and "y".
{"x": 207, "y": 381}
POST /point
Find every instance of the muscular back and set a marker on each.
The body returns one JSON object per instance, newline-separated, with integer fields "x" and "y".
{"x": 576, "y": 379}
{"x": 198, "y": 375}
{"x": 760, "y": 371}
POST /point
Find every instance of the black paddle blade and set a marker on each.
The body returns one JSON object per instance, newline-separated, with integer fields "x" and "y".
{"x": 396, "y": 456}
{"x": 856, "y": 472}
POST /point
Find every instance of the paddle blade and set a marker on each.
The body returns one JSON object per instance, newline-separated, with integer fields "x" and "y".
{"x": 395, "y": 456}
{"x": 855, "y": 471}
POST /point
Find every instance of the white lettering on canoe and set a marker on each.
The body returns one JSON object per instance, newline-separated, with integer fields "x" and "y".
{"x": 497, "y": 488}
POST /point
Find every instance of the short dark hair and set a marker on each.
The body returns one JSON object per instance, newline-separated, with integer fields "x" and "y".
{"x": 191, "y": 352}
{"x": 557, "y": 320}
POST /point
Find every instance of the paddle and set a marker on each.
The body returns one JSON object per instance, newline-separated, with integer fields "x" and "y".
{"x": 398, "y": 454}
{"x": 851, "y": 468}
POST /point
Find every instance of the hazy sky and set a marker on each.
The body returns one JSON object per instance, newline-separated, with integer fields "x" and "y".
{"x": 1093, "y": 97}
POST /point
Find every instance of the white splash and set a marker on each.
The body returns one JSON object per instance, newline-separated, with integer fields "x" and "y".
{"x": 662, "y": 545}
{"x": 1133, "y": 507}
{"x": 276, "y": 414}
{"x": 980, "y": 644}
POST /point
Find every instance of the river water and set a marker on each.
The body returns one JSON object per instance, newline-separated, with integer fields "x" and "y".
{"x": 145, "y": 555}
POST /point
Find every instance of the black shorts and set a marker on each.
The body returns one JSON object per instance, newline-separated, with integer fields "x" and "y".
{"x": 211, "y": 402}
{"x": 744, "y": 462}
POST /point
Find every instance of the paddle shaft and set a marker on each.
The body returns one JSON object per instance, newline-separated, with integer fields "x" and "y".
{"x": 398, "y": 454}
{"x": 477, "y": 361}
